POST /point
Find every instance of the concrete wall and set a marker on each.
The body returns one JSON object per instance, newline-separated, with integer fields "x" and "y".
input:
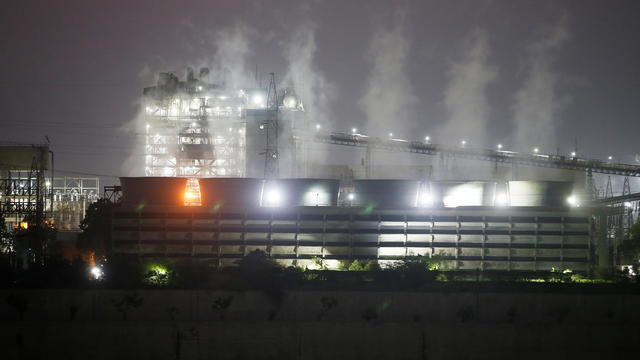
{"x": 185, "y": 324}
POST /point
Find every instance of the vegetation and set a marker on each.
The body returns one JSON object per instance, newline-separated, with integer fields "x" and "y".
{"x": 95, "y": 227}
{"x": 260, "y": 272}
{"x": 631, "y": 247}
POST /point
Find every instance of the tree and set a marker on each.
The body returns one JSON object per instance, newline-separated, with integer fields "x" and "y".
{"x": 96, "y": 227}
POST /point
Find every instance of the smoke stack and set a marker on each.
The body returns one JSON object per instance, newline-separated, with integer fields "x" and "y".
{"x": 204, "y": 74}
{"x": 190, "y": 77}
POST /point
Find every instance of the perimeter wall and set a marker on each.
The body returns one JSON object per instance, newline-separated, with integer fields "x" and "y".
{"x": 200, "y": 324}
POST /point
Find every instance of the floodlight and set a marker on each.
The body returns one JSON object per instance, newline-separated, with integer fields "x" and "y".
{"x": 258, "y": 100}
{"x": 502, "y": 199}
{"x": 351, "y": 196}
{"x": 572, "y": 200}
{"x": 96, "y": 272}
{"x": 273, "y": 197}
{"x": 289, "y": 102}
{"x": 425, "y": 199}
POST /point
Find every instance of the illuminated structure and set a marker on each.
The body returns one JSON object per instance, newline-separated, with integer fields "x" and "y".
{"x": 71, "y": 198}
{"x": 23, "y": 181}
{"x": 195, "y": 128}
{"x": 296, "y": 220}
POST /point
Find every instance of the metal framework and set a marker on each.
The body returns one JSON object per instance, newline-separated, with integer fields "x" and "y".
{"x": 271, "y": 127}
{"x": 541, "y": 160}
{"x": 22, "y": 187}
{"x": 71, "y": 198}
{"x": 196, "y": 129}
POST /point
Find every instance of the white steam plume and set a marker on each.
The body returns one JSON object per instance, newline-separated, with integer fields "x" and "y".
{"x": 309, "y": 83}
{"x": 232, "y": 50}
{"x": 465, "y": 96}
{"x": 310, "y": 86}
{"x": 389, "y": 99}
{"x": 536, "y": 103}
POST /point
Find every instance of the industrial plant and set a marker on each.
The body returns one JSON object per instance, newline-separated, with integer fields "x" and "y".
{"x": 229, "y": 171}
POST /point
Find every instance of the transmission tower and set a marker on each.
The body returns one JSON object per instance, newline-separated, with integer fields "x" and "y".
{"x": 271, "y": 155}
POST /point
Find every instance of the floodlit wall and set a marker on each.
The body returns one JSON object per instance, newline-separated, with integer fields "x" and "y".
{"x": 486, "y": 238}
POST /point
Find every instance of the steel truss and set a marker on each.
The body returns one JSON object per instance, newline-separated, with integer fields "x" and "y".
{"x": 540, "y": 160}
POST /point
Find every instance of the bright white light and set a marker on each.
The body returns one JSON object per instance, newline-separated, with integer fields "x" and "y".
{"x": 199, "y": 88}
{"x": 351, "y": 196}
{"x": 96, "y": 272}
{"x": 502, "y": 199}
{"x": 572, "y": 200}
{"x": 627, "y": 204}
{"x": 222, "y": 97}
{"x": 427, "y": 138}
{"x": 468, "y": 194}
{"x": 48, "y": 183}
{"x": 425, "y": 199}
{"x": 463, "y": 142}
{"x": 354, "y": 130}
{"x": 499, "y": 146}
{"x": 536, "y": 150}
{"x": 390, "y": 134}
{"x": 258, "y": 100}
{"x": 318, "y": 126}
{"x": 273, "y": 197}
{"x": 289, "y": 102}
{"x": 261, "y": 127}
{"x": 610, "y": 158}
{"x": 573, "y": 153}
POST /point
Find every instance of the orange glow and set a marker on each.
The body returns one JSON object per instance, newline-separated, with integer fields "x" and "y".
{"x": 24, "y": 225}
{"x": 192, "y": 193}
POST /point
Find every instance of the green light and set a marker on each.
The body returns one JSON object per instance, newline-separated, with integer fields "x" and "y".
{"x": 368, "y": 210}
{"x": 157, "y": 274}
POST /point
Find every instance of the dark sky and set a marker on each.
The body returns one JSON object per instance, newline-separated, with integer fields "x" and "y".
{"x": 74, "y": 70}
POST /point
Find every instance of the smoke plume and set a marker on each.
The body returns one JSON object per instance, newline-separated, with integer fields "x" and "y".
{"x": 465, "y": 96}
{"x": 536, "y": 104}
{"x": 389, "y": 99}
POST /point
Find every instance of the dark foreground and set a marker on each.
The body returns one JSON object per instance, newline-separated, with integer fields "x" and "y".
{"x": 463, "y": 322}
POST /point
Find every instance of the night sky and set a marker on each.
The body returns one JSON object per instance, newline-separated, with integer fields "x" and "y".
{"x": 510, "y": 72}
